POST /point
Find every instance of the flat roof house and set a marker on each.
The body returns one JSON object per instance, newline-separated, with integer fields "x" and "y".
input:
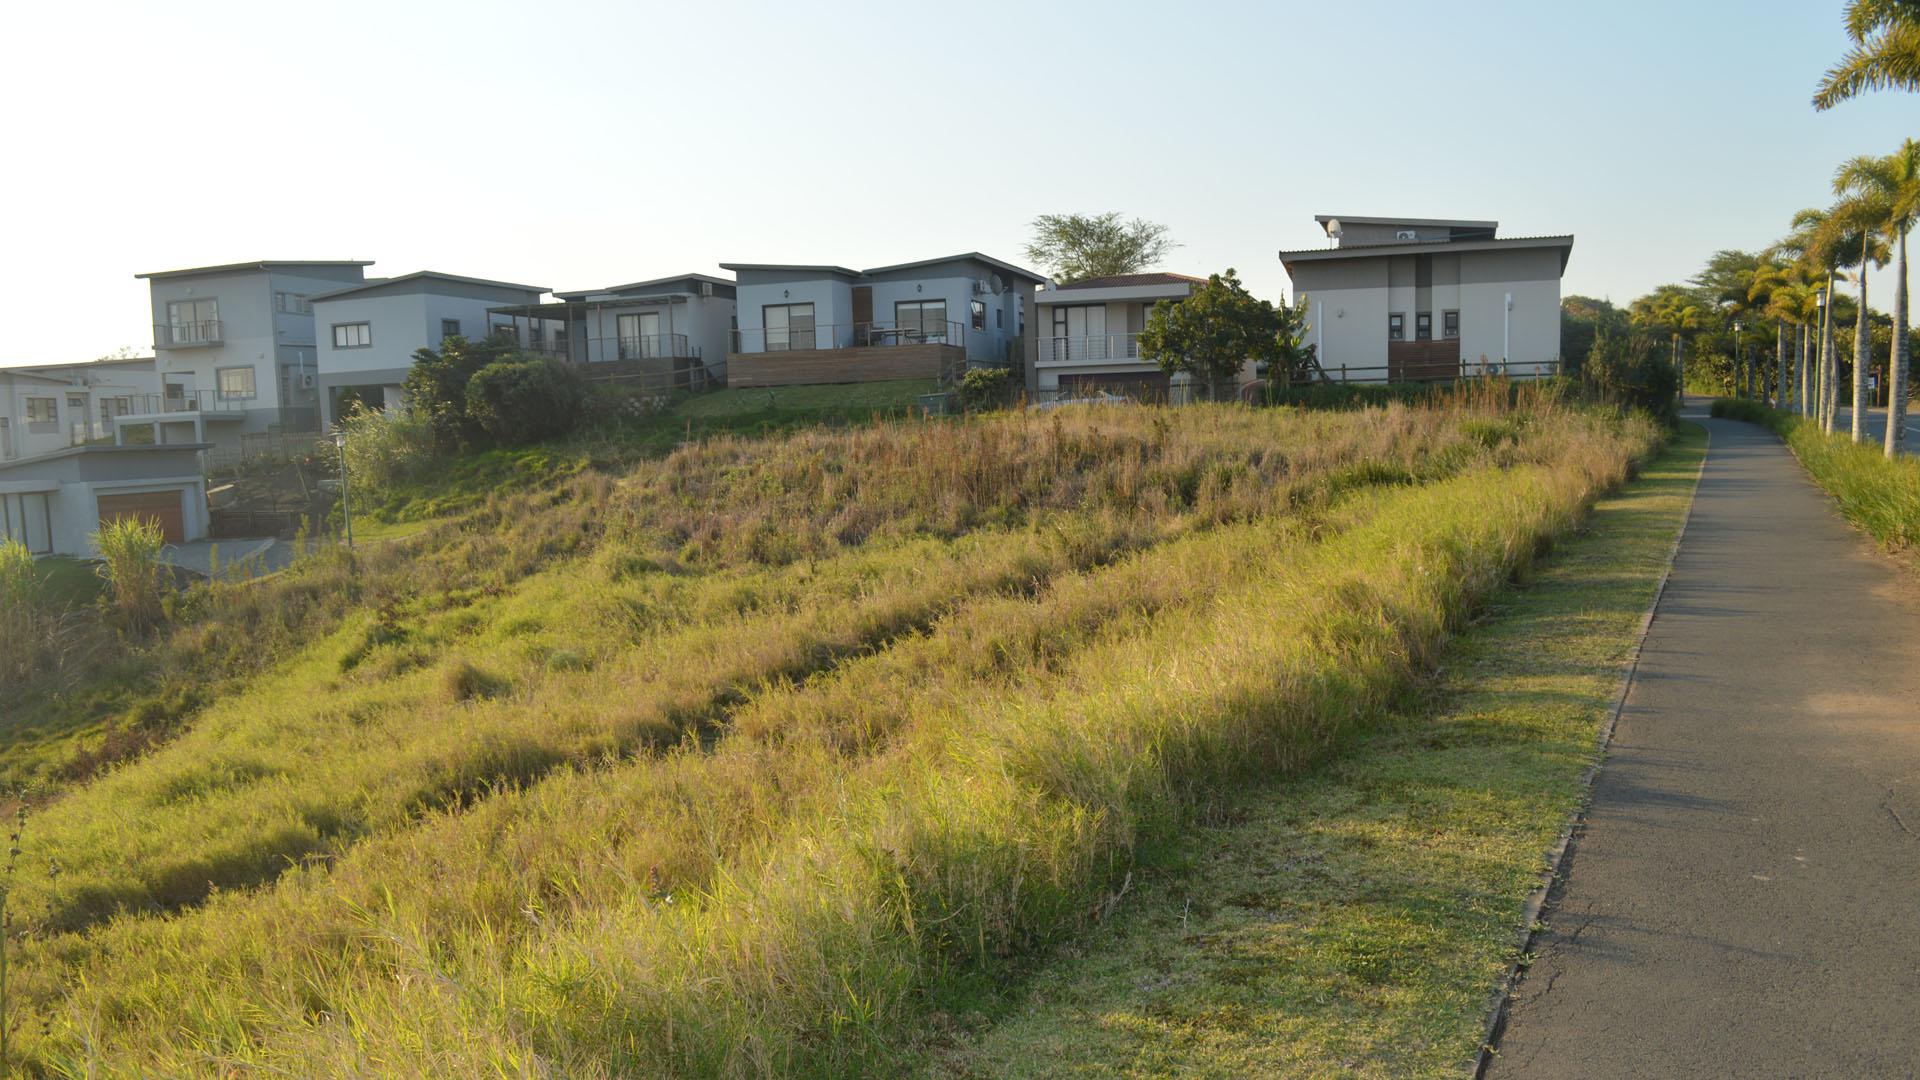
{"x": 52, "y": 407}
{"x": 1413, "y": 299}
{"x": 235, "y": 349}
{"x": 53, "y": 503}
{"x": 1087, "y": 336}
{"x": 368, "y": 332}
{"x": 832, "y": 324}
{"x": 669, "y": 332}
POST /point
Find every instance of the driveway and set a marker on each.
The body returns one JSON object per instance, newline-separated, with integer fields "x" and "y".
{"x": 238, "y": 558}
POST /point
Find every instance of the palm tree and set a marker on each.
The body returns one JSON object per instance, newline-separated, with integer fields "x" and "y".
{"x": 1863, "y": 210}
{"x": 1892, "y": 184}
{"x": 1825, "y": 240}
{"x": 1673, "y": 309}
{"x": 1885, "y": 52}
{"x": 1792, "y": 300}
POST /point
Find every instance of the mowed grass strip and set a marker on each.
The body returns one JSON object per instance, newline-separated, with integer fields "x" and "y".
{"x": 1355, "y": 920}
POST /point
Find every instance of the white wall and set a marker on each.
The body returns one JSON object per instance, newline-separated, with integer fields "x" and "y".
{"x": 831, "y": 297}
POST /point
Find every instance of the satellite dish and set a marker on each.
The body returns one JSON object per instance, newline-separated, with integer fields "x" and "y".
{"x": 1333, "y": 228}
{"x": 998, "y": 285}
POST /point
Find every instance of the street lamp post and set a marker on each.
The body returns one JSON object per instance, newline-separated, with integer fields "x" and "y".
{"x": 1737, "y": 386}
{"x": 1815, "y": 405}
{"x": 346, "y": 513}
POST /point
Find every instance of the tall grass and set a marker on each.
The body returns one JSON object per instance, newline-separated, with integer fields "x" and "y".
{"x": 130, "y": 562}
{"x": 696, "y": 799}
{"x": 22, "y": 613}
{"x": 1879, "y": 495}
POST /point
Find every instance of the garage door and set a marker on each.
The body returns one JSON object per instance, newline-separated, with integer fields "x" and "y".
{"x": 161, "y": 506}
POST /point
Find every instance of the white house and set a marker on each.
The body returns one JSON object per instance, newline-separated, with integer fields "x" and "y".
{"x": 1087, "y": 335}
{"x": 235, "y": 349}
{"x": 48, "y": 408}
{"x": 810, "y": 323}
{"x": 1408, "y": 299}
{"x": 369, "y": 331}
{"x": 676, "y": 327}
{"x": 54, "y": 502}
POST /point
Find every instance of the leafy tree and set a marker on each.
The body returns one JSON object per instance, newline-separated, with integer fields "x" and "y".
{"x": 1791, "y": 299}
{"x": 1581, "y": 319}
{"x": 1677, "y": 310}
{"x": 1892, "y": 186}
{"x": 1627, "y": 370}
{"x": 436, "y": 388}
{"x": 1074, "y": 247}
{"x": 523, "y": 399}
{"x": 1219, "y": 327}
{"x": 1885, "y": 52}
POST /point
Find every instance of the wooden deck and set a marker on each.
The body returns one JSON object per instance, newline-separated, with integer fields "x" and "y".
{"x": 873, "y": 363}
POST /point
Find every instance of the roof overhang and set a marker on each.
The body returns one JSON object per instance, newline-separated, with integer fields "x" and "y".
{"x": 969, "y": 256}
{"x": 793, "y": 268}
{"x": 1290, "y": 259}
{"x": 425, "y": 276}
{"x": 1113, "y": 294}
{"x": 263, "y": 264}
{"x": 1416, "y": 222}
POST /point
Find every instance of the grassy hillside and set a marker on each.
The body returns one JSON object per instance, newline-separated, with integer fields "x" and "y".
{"x": 722, "y": 765}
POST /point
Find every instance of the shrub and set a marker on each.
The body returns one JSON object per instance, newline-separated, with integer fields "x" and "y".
{"x": 384, "y": 449}
{"x": 524, "y": 400}
{"x": 437, "y": 388}
{"x": 986, "y": 388}
{"x": 130, "y": 554}
{"x": 1629, "y": 371}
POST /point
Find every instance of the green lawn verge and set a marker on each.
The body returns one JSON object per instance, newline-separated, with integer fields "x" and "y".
{"x": 1357, "y": 919}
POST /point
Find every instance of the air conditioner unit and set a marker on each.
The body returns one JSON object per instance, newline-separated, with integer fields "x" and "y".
{"x": 706, "y": 288}
{"x": 1406, "y": 234}
{"x": 308, "y": 380}
{"x": 982, "y": 287}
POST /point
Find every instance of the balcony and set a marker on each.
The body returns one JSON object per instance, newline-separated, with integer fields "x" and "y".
{"x": 847, "y": 353}
{"x": 1089, "y": 350}
{"x": 187, "y": 335}
{"x": 615, "y": 349}
{"x": 186, "y": 404}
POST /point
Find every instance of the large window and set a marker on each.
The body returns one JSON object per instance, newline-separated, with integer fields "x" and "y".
{"x": 292, "y": 303}
{"x": 1450, "y": 324}
{"x": 353, "y": 335}
{"x": 235, "y": 382}
{"x": 192, "y": 322}
{"x": 640, "y": 335}
{"x": 979, "y": 309}
{"x": 922, "y": 320}
{"x": 789, "y": 327}
{"x": 111, "y": 407}
{"x": 1397, "y": 326}
{"x": 43, "y": 415}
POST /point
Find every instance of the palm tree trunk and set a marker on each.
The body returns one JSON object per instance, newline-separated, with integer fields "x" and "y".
{"x": 1801, "y": 370}
{"x": 1679, "y": 373}
{"x": 1897, "y": 367}
{"x": 1862, "y": 350}
{"x": 1780, "y": 365}
{"x": 1829, "y": 364}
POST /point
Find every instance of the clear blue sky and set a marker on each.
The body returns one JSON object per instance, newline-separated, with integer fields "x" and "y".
{"x": 576, "y": 145}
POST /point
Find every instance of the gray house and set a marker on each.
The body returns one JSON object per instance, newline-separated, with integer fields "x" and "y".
{"x": 667, "y": 332}
{"x": 235, "y": 349}
{"x": 54, "y": 502}
{"x": 369, "y": 332}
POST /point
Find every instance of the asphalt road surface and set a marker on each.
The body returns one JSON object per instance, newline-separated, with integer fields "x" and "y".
{"x": 1744, "y": 898}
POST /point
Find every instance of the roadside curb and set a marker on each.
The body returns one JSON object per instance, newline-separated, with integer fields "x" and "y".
{"x": 1559, "y": 857}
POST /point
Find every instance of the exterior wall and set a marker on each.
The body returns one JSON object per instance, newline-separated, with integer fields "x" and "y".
{"x": 831, "y": 297}
{"x": 1532, "y": 275}
{"x": 69, "y": 486}
{"x": 400, "y": 323}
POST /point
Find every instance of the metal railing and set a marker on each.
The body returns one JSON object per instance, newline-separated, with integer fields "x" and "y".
{"x": 186, "y": 401}
{"x": 1088, "y": 349}
{"x": 1426, "y": 372}
{"x": 860, "y": 335}
{"x": 604, "y": 349}
{"x": 180, "y": 335}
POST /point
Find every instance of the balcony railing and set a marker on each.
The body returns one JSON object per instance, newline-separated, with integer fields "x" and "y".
{"x": 1089, "y": 349}
{"x": 602, "y": 350}
{"x": 187, "y": 401}
{"x": 187, "y": 335}
{"x": 848, "y": 336}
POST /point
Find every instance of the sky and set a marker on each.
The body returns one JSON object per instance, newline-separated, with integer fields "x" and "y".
{"x": 577, "y": 145}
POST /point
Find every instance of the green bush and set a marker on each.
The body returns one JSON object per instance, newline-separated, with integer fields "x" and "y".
{"x": 436, "y": 389}
{"x": 525, "y": 400}
{"x": 130, "y": 563}
{"x": 1628, "y": 370}
{"x": 384, "y": 449}
{"x": 986, "y": 388}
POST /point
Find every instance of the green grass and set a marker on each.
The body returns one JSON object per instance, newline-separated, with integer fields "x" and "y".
{"x": 1354, "y": 921}
{"x": 733, "y": 763}
{"x": 70, "y": 581}
{"x": 856, "y": 401}
{"x": 1878, "y": 495}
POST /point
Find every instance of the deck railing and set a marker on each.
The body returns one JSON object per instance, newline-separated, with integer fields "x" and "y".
{"x": 859, "y": 335}
{"x": 183, "y": 335}
{"x": 1088, "y": 349}
{"x": 598, "y": 350}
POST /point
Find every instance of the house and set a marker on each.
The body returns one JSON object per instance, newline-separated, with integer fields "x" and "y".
{"x": 1087, "y": 335}
{"x": 672, "y": 331}
{"x": 54, "y": 502}
{"x": 52, "y": 407}
{"x": 235, "y": 350}
{"x": 926, "y": 319}
{"x": 369, "y": 331}
{"x": 1411, "y": 299}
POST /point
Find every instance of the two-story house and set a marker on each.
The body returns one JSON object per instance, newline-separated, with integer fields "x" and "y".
{"x": 1411, "y": 299}
{"x": 52, "y": 407}
{"x": 925, "y": 319}
{"x": 369, "y": 332}
{"x": 235, "y": 349}
{"x": 1087, "y": 335}
{"x": 669, "y": 332}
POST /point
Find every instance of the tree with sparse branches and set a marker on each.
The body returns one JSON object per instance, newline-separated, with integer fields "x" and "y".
{"x": 1074, "y": 247}
{"x": 1885, "y": 54}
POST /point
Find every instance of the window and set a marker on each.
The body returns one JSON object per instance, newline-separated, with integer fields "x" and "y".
{"x": 1397, "y": 326}
{"x": 43, "y": 415}
{"x": 449, "y": 328}
{"x": 979, "y": 310}
{"x": 292, "y": 303}
{"x": 192, "y": 322}
{"x": 999, "y": 318}
{"x": 353, "y": 335}
{"x": 925, "y": 320}
{"x": 640, "y": 335}
{"x": 237, "y": 382}
{"x": 1450, "y": 324}
{"x": 77, "y": 403}
{"x": 1423, "y": 326}
{"x": 111, "y": 407}
{"x": 788, "y": 327}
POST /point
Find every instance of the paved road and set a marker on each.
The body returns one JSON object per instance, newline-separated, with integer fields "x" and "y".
{"x": 1877, "y": 427}
{"x": 1745, "y": 897}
